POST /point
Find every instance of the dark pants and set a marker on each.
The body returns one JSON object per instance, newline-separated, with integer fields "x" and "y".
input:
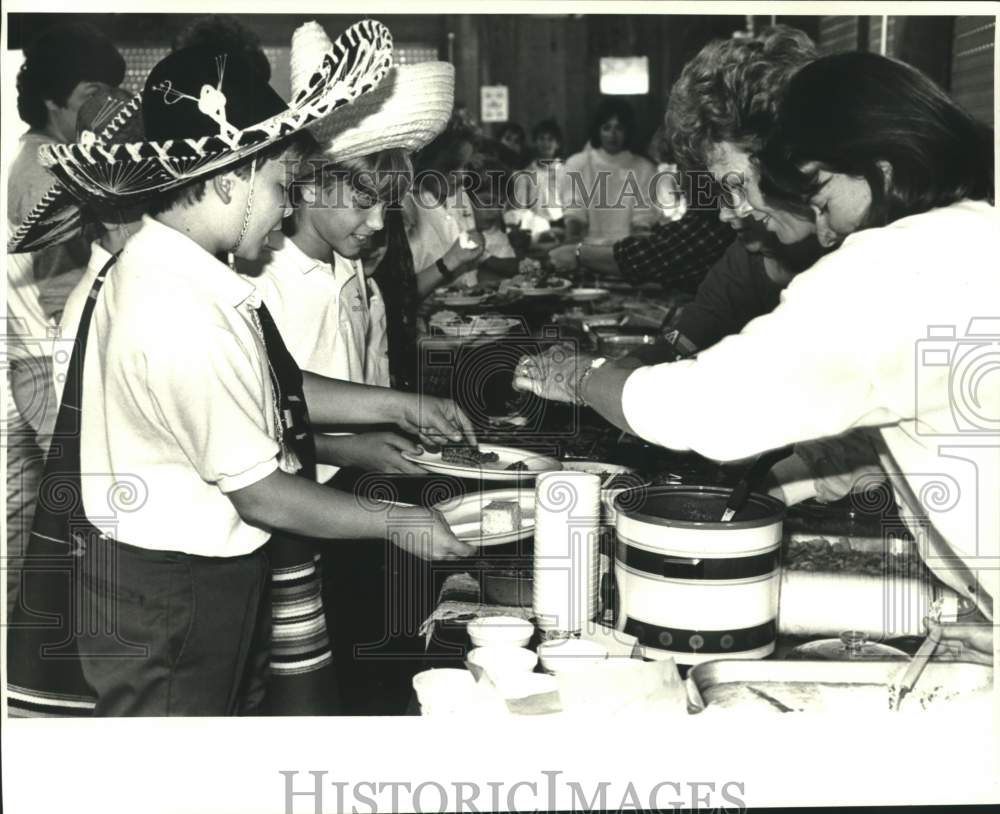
{"x": 172, "y": 633}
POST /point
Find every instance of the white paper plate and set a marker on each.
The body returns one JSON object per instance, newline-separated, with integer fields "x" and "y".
{"x": 452, "y": 298}
{"x": 431, "y": 461}
{"x": 465, "y": 515}
{"x": 587, "y": 294}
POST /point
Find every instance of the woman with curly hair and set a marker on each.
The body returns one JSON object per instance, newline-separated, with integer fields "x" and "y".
{"x": 894, "y": 331}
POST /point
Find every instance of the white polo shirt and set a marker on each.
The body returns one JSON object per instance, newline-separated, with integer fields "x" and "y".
{"x": 894, "y": 330}
{"x": 327, "y": 322}
{"x": 176, "y": 400}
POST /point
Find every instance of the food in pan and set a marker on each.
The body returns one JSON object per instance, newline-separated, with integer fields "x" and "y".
{"x": 517, "y": 466}
{"x": 839, "y": 557}
{"x": 501, "y": 517}
{"x": 465, "y": 455}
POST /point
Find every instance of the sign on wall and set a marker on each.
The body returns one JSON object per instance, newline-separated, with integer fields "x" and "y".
{"x": 493, "y": 103}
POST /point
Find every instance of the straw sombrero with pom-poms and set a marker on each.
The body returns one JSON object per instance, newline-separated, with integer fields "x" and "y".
{"x": 406, "y": 111}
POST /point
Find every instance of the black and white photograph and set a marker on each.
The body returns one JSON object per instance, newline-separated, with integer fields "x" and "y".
{"x": 473, "y": 406}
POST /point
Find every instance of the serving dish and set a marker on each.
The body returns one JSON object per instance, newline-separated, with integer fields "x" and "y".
{"x": 857, "y": 687}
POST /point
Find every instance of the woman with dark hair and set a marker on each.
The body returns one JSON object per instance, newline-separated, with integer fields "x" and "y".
{"x": 866, "y": 140}
{"x": 606, "y": 188}
{"x": 894, "y": 331}
{"x": 536, "y": 204}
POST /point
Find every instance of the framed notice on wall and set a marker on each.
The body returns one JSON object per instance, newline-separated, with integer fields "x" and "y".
{"x": 493, "y": 102}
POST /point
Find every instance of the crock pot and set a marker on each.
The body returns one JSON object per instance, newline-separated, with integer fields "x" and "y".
{"x": 691, "y": 586}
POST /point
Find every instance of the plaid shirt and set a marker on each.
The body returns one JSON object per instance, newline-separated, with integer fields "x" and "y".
{"x": 677, "y": 255}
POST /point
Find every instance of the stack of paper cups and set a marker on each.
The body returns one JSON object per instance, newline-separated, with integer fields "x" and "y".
{"x": 566, "y": 565}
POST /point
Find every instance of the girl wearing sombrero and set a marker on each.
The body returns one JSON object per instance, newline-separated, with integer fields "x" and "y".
{"x": 183, "y": 456}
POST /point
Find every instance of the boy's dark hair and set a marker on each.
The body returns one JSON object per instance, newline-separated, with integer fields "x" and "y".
{"x": 607, "y": 110}
{"x": 850, "y": 111}
{"x": 230, "y": 36}
{"x": 290, "y": 149}
{"x": 58, "y": 60}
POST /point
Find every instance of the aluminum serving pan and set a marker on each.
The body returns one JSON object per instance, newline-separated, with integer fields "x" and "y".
{"x": 850, "y": 687}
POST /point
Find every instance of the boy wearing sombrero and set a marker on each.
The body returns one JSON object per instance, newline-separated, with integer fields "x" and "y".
{"x": 194, "y": 419}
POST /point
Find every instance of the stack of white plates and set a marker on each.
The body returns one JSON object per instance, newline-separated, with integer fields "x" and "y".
{"x": 566, "y": 563}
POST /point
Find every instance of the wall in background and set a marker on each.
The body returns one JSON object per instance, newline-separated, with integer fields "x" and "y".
{"x": 550, "y": 61}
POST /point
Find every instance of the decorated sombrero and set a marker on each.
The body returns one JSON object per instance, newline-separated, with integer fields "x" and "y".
{"x": 204, "y": 111}
{"x": 104, "y": 118}
{"x": 407, "y": 110}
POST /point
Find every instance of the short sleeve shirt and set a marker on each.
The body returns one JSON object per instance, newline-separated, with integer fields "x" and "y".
{"x": 177, "y": 402}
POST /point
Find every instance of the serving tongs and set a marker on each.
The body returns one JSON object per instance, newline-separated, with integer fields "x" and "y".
{"x": 754, "y": 475}
{"x": 904, "y": 685}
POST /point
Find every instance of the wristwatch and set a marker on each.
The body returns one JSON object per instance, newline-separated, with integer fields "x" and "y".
{"x": 594, "y": 365}
{"x": 446, "y": 272}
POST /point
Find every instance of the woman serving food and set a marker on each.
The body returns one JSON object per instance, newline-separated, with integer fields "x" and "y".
{"x": 902, "y": 179}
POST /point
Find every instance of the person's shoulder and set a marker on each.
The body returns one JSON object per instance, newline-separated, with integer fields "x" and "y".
{"x": 28, "y": 179}
{"x": 643, "y": 164}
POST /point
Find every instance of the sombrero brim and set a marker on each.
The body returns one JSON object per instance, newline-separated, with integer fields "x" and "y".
{"x": 56, "y": 217}
{"x": 53, "y": 220}
{"x": 124, "y": 174}
{"x": 406, "y": 111}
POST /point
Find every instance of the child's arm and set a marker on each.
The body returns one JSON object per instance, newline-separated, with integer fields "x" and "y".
{"x": 295, "y": 504}
{"x": 332, "y": 401}
{"x": 371, "y": 451}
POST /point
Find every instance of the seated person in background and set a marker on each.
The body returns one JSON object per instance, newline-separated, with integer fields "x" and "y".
{"x": 535, "y": 203}
{"x": 511, "y": 135}
{"x": 439, "y": 222}
{"x": 490, "y": 180}
{"x": 606, "y": 190}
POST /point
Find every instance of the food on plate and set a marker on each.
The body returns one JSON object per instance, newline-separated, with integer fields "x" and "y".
{"x": 492, "y": 323}
{"x": 446, "y": 318}
{"x": 517, "y": 466}
{"x": 462, "y": 291}
{"x": 536, "y": 280}
{"x": 466, "y": 242}
{"x": 501, "y": 517}
{"x": 529, "y": 267}
{"x": 465, "y": 455}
